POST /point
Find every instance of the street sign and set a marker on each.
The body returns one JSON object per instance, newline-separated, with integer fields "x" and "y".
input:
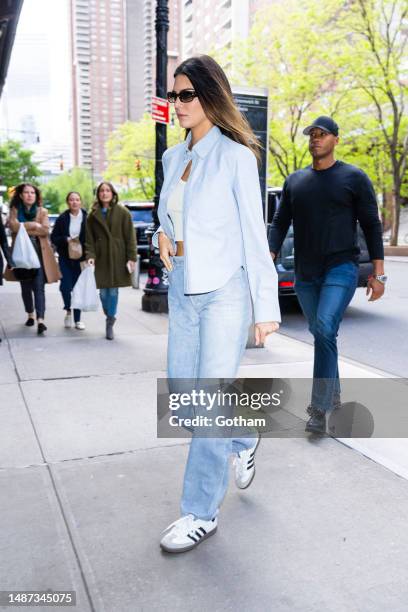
{"x": 160, "y": 110}
{"x": 253, "y": 104}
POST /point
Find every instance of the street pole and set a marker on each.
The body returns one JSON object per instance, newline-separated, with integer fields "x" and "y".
{"x": 155, "y": 293}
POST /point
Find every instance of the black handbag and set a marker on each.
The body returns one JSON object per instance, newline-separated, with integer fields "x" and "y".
{"x": 23, "y": 274}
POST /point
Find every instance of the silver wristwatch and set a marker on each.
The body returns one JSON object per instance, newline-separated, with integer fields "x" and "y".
{"x": 381, "y": 277}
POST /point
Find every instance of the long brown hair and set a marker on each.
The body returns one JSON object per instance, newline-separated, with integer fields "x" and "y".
{"x": 115, "y": 196}
{"x": 215, "y": 94}
{"x": 16, "y": 198}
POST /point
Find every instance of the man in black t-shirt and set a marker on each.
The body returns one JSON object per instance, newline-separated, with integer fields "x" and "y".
{"x": 324, "y": 201}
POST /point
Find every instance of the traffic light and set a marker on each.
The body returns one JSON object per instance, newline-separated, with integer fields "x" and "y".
{"x": 138, "y": 164}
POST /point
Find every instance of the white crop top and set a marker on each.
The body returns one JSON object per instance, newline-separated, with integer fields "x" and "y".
{"x": 175, "y": 209}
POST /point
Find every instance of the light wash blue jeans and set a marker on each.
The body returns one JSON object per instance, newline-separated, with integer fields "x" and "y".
{"x": 109, "y": 298}
{"x": 207, "y": 337}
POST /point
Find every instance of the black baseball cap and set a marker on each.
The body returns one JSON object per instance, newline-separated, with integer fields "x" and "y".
{"x": 323, "y": 123}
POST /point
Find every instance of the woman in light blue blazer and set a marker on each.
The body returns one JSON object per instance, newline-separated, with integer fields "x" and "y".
{"x": 213, "y": 243}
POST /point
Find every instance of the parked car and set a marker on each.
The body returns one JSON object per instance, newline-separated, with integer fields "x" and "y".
{"x": 142, "y": 217}
{"x": 52, "y": 217}
{"x": 285, "y": 261}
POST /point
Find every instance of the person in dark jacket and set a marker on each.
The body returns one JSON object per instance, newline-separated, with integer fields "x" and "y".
{"x": 4, "y": 247}
{"x": 69, "y": 229}
{"x": 111, "y": 248}
{"x": 325, "y": 201}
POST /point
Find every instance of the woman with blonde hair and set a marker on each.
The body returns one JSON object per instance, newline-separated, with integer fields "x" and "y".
{"x": 213, "y": 243}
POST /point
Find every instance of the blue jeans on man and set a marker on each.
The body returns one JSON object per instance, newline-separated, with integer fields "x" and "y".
{"x": 324, "y": 300}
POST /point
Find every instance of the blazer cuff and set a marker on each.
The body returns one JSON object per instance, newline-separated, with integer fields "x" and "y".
{"x": 267, "y": 311}
{"x": 155, "y": 237}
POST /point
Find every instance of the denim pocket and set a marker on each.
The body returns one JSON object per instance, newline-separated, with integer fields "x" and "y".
{"x": 343, "y": 275}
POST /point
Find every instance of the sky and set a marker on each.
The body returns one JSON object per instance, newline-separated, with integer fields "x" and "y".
{"x": 38, "y": 79}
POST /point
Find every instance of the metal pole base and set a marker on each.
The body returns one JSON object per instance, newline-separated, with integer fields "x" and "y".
{"x": 135, "y": 276}
{"x": 155, "y": 303}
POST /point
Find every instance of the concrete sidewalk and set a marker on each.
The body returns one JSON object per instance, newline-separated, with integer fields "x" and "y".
{"x": 88, "y": 487}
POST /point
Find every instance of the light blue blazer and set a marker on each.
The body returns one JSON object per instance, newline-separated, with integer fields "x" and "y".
{"x": 223, "y": 227}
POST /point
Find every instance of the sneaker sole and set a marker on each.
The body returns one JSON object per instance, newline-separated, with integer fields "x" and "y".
{"x": 187, "y": 548}
{"x": 245, "y": 486}
{"x": 315, "y": 430}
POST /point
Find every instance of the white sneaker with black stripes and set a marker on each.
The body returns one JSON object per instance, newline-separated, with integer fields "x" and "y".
{"x": 244, "y": 466}
{"x": 187, "y": 533}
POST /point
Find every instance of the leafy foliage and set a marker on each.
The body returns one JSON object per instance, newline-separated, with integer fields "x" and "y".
{"x": 16, "y": 165}
{"x": 131, "y": 156}
{"x": 55, "y": 192}
{"x": 348, "y": 61}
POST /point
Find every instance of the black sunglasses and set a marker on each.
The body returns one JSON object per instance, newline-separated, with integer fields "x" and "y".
{"x": 186, "y": 95}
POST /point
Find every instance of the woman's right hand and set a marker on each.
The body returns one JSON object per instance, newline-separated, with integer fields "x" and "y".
{"x": 166, "y": 250}
{"x": 91, "y": 262}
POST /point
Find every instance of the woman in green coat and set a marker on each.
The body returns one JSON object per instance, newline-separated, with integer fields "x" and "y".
{"x": 111, "y": 248}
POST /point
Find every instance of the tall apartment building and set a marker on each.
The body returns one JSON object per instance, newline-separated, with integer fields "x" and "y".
{"x": 135, "y": 49}
{"x": 142, "y": 63}
{"x": 113, "y": 46}
{"x": 99, "y": 77}
{"x": 213, "y": 24}
{"x": 208, "y": 24}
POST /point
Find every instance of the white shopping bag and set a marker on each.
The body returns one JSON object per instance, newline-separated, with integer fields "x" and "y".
{"x": 85, "y": 295}
{"x": 24, "y": 254}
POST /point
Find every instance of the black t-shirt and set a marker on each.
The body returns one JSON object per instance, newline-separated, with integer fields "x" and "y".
{"x": 325, "y": 206}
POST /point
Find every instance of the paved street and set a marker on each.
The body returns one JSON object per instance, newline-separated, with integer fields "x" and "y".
{"x": 371, "y": 333}
{"x": 88, "y": 487}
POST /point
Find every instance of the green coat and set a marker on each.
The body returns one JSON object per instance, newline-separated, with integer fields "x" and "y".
{"x": 111, "y": 243}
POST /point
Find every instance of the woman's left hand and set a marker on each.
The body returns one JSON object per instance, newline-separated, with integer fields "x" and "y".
{"x": 131, "y": 265}
{"x": 262, "y": 330}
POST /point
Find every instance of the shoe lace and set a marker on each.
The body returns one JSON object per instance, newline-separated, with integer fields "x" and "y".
{"x": 182, "y": 524}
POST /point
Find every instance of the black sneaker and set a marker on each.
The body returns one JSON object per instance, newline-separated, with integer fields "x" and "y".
{"x": 30, "y": 322}
{"x": 317, "y": 422}
{"x": 336, "y": 405}
{"x": 41, "y": 329}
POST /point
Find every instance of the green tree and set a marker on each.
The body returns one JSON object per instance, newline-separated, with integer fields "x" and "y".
{"x": 292, "y": 51}
{"x": 131, "y": 156}
{"x": 16, "y": 165}
{"x": 55, "y": 192}
{"x": 378, "y": 39}
{"x": 348, "y": 61}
